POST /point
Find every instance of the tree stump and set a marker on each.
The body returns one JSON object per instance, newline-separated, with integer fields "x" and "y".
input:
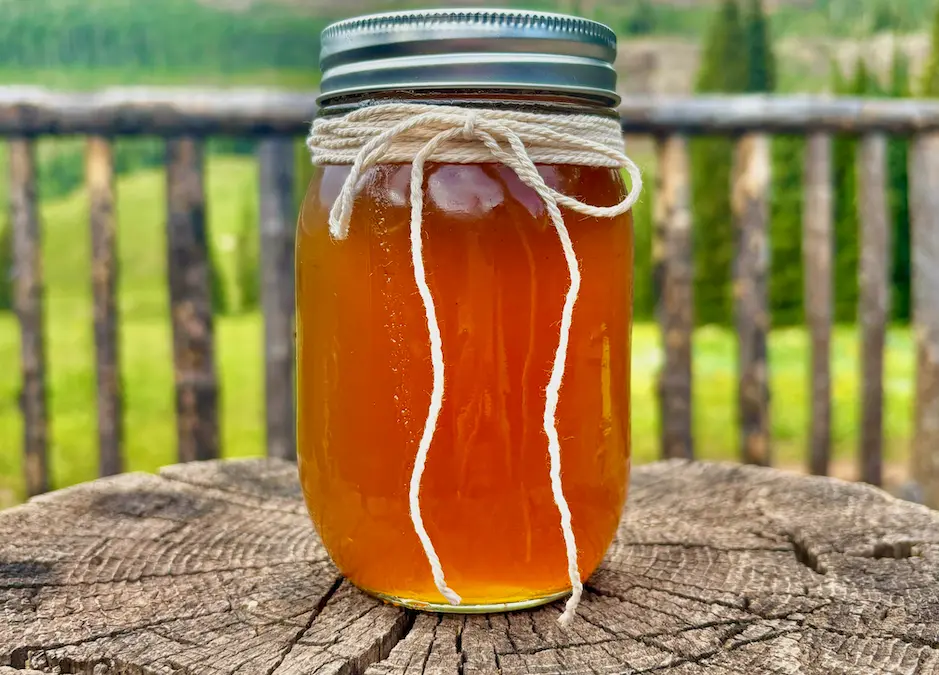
{"x": 214, "y": 568}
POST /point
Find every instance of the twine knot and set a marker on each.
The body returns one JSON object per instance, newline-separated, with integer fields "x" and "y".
{"x": 469, "y": 126}
{"x": 417, "y": 134}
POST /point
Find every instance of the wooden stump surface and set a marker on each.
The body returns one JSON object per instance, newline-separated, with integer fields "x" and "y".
{"x": 214, "y": 568}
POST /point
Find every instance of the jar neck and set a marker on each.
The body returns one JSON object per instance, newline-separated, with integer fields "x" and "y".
{"x": 528, "y": 101}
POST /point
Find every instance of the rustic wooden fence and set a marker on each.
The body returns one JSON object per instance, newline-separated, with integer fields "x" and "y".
{"x": 186, "y": 118}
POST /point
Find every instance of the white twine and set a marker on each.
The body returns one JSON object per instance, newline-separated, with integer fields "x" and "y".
{"x": 415, "y": 133}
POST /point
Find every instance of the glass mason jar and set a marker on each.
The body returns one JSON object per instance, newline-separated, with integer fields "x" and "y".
{"x": 499, "y": 278}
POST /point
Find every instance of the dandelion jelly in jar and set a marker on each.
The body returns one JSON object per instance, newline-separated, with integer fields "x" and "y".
{"x": 464, "y": 288}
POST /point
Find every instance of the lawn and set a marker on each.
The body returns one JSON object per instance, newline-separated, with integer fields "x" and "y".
{"x": 147, "y": 361}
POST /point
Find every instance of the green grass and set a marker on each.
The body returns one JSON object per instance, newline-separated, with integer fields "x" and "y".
{"x": 147, "y": 356}
{"x": 715, "y": 393}
{"x": 145, "y": 334}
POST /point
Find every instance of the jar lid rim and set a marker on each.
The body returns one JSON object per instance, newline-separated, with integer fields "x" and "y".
{"x": 491, "y": 49}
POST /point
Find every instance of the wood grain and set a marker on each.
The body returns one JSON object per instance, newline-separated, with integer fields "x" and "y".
{"x": 716, "y": 570}
{"x": 28, "y": 302}
{"x": 190, "y": 302}
{"x": 278, "y": 227}
{"x": 740, "y": 114}
{"x": 817, "y": 261}
{"x": 750, "y": 207}
{"x": 99, "y": 177}
{"x": 924, "y": 214}
{"x": 246, "y": 112}
{"x": 674, "y": 277}
{"x": 874, "y": 274}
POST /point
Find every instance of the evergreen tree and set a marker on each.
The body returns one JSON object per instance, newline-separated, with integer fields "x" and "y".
{"x": 785, "y": 282}
{"x": 846, "y": 225}
{"x": 641, "y": 19}
{"x": 761, "y": 62}
{"x": 786, "y": 279}
{"x": 724, "y": 66}
{"x": 6, "y": 268}
{"x": 898, "y": 168}
{"x": 724, "y": 69}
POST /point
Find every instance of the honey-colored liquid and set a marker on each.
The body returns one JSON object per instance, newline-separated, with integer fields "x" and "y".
{"x": 498, "y": 276}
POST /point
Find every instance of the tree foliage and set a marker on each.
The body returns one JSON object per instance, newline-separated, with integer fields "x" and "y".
{"x": 898, "y": 168}
{"x": 723, "y": 70}
{"x": 761, "y": 61}
{"x": 165, "y": 36}
{"x": 786, "y": 277}
{"x": 737, "y": 57}
{"x": 846, "y": 224}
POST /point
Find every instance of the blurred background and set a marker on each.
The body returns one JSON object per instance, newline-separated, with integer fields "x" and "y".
{"x": 856, "y": 47}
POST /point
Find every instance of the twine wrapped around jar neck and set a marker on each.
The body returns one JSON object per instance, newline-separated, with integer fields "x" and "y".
{"x": 417, "y": 134}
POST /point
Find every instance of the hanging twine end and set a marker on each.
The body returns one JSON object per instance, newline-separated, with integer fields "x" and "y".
{"x": 451, "y": 596}
{"x": 570, "y": 609}
{"x": 339, "y": 221}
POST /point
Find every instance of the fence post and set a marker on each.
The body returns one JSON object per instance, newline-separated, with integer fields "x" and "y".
{"x": 924, "y": 212}
{"x": 816, "y": 257}
{"x": 750, "y": 206}
{"x": 191, "y": 302}
{"x": 277, "y": 272}
{"x": 104, "y": 274}
{"x": 874, "y": 300}
{"x": 672, "y": 254}
{"x": 28, "y": 301}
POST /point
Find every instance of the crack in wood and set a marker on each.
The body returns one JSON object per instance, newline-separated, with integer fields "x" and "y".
{"x": 169, "y": 575}
{"x": 897, "y": 550}
{"x": 910, "y": 640}
{"x": 805, "y": 555}
{"x": 687, "y": 596}
{"x": 778, "y": 548}
{"x": 461, "y": 663}
{"x": 709, "y": 654}
{"x": 20, "y": 656}
{"x": 430, "y": 644}
{"x": 285, "y": 652}
{"x": 655, "y": 604}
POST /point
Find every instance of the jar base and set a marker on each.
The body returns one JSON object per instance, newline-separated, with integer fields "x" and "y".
{"x": 487, "y": 608}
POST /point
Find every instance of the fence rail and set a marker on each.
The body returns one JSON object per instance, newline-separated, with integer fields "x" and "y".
{"x": 186, "y": 118}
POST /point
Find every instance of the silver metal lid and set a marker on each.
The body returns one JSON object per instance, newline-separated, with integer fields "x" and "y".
{"x": 449, "y": 49}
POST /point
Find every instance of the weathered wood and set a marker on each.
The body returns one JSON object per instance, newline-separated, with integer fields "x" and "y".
{"x": 28, "y": 302}
{"x": 776, "y": 114}
{"x": 750, "y": 207}
{"x": 674, "y": 275}
{"x": 104, "y": 275}
{"x": 191, "y": 302}
{"x": 816, "y": 258}
{"x": 278, "y": 226}
{"x": 155, "y": 111}
{"x": 874, "y": 301}
{"x": 924, "y": 211}
{"x": 246, "y": 112}
{"x": 214, "y": 567}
